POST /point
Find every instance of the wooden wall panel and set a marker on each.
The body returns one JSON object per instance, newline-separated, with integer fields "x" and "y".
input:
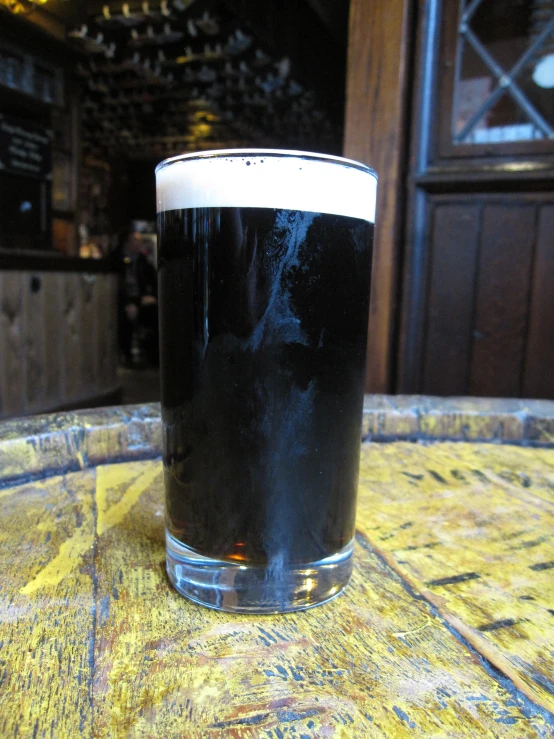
{"x": 502, "y": 299}
{"x": 488, "y": 305}
{"x": 89, "y": 329}
{"x": 34, "y": 339}
{"x": 455, "y": 239}
{"x": 12, "y": 350}
{"x": 107, "y": 346}
{"x": 71, "y": 315}
{"x": 375, "y": 132}
{"x": 58, "y": 339}
{"x": 538, "y": 380}
{"x": 52, "y": 286}
{"x": 510, "y": 306}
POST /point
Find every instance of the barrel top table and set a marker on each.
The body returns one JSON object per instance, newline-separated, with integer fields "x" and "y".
{"x": 446, "y": 630}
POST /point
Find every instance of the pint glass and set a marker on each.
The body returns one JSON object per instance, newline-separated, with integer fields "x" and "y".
{"x": 264, "y": 262}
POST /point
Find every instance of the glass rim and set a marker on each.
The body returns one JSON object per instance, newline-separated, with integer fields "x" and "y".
{"x": 283, "y": 153}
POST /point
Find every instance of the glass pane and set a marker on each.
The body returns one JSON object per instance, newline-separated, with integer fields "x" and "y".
{"x": 505, "y": 121}
{"x": 494, "y": 43}
{"x": 475, "y": 84}
{"x": 503, "y": 26}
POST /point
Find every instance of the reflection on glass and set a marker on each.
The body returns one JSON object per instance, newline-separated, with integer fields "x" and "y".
{"x": 505, "y": 72}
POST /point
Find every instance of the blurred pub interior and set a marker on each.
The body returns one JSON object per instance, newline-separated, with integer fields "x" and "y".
{"x": 452, "y": 102}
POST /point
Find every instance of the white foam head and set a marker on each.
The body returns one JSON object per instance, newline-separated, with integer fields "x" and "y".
{"x": 254, "y": 178}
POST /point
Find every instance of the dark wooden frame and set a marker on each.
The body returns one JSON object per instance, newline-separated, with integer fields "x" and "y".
{"x": 376, "y": 132}
{"x": 496, "y": 197}
{"x": 434, "y": 170}
{"x": 415, "y": 268}
{"x": 446, "y": 149}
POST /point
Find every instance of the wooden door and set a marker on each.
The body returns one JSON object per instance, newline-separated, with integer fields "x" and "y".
{"x": 478, "y": 271}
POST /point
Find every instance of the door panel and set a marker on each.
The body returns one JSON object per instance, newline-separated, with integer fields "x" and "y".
{"x": 477, "y": 290}
{"x": 502, "y": 299}
{"x": 455, "y": 239}
{"x": 538, "y": 381}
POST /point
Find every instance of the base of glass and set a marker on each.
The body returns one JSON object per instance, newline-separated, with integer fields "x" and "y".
{"x": 239, "y": 588}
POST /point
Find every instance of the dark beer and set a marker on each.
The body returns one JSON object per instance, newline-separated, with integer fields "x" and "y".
{"x": 263, "y": 329}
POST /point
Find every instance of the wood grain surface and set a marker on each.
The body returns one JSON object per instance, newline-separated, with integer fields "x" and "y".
{"x": 445, "y": 630}
{"x": 502, "y": 299}
{"x": 471, "y": 527}
{"x": 42, "y": 446}
{"x": 455, "y": 246}
{"x": 538, "y": 381}
{"x": 378, "y": 79}
{"x": 58, "y": 339}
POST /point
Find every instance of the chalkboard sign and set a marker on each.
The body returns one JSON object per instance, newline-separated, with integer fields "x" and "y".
{"x": 25, "y": 148}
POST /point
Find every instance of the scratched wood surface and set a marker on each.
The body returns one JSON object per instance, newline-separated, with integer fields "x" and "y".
{"x": 471, "y": 527}
{"x": 446, "y": 629}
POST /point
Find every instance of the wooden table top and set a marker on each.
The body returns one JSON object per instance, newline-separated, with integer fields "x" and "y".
{"x": 446, "y": 630}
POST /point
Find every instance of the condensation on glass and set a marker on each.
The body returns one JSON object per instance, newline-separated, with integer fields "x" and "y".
{"x": 504, "y": 87}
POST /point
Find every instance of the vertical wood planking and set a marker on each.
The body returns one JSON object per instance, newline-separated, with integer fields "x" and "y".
{"x": 107, "y": 331}
{"x": 454, "y": 244}
{"x": 501, "y": 309}
{"x": 34, "y": 320}
{"x": 53, "y": 296}
{"x": 58, "y": 344}
{"x": 538, "y": 380}
{"x": 12, "y": 343}
{"x": 70, "y": 318}
{"x": 375, "y": 132}
{"x": 87, "y": 286}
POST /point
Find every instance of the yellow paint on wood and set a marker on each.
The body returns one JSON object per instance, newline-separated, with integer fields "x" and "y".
{"x": 8, "y": 491}
{"x": 68, "y": 555}
{"x": 46, "y": 635}
{"x": 375, "y": 662}
{"x": 110, "y": 650}
{"x": 471, "y": 527}
{"x": 112, "y": 476}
